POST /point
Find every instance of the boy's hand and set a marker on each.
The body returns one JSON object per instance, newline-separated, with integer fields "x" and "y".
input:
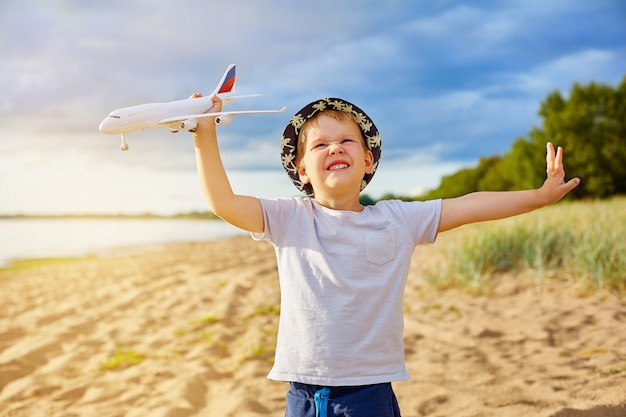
{"x": 208, "y": 122}
{"x": 554, "y": 187}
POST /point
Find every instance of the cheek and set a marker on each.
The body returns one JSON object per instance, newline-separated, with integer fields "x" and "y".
{"x": 310, "y": 159}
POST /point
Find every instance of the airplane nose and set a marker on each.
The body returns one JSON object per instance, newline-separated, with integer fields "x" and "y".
{"x": 103, "y": 126}
{"x": 107, "y": 126}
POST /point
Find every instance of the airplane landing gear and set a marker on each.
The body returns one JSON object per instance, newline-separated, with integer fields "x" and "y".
{"x": 124, "y": 146}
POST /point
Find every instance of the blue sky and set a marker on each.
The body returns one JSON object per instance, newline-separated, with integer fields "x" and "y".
{"x": 446, "y": 82}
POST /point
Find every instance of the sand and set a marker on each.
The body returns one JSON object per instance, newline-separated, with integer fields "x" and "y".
{"x": 200, "y": 322}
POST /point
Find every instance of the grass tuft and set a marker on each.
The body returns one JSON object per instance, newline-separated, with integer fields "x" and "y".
{"x": 123, "y": 358}
{"x": 582, "y": 241}
{"x": 21, "y": 264}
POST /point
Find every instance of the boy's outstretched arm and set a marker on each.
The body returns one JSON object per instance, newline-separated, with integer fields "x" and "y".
{"x": 484, "y": 205}
{"x": 241, "y": 211}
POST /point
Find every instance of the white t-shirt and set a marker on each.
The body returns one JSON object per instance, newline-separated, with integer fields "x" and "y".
{"x": 342, "y": 277}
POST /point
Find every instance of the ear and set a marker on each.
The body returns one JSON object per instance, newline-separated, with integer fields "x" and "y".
{"x": 304, "y": 178}
{"x": 369, "y": 162}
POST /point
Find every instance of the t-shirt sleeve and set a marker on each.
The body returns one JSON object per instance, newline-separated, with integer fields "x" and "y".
{"x": 273, "y": 211}
{"x": 422, "y": 218}
{"x": 266, "y": 205}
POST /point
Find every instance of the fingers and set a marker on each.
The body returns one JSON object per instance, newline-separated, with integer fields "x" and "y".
{"x": 558, "y": 160}
{"x": 216, "y": 99}
{"x": 549, "y": 157}
{"x": 555, "y": 169}
{"x": 573, "y": 183}
{"x": 554, "y": 160}
{"x": 217, "y": 103}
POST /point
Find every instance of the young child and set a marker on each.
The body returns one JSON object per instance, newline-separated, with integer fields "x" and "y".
{"x": 343, "y": 267}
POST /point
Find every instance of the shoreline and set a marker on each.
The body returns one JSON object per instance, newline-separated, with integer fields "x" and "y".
{"x": 24, "y": 239}
{"x": 193, "y": 215}
{"x": 117, "y": 251}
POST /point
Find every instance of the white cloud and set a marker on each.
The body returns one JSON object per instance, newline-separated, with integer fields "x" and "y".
{"x": 561, "y": 72}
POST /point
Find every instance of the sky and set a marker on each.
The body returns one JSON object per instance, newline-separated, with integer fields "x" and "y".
{"x": 446, "y": 82}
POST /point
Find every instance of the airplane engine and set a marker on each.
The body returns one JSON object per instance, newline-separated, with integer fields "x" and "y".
{"x": 224, "y": 120}
{"x": 189, "y": 124}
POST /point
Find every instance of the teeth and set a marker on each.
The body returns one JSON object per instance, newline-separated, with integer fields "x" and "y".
{"x": 338, "y": 166}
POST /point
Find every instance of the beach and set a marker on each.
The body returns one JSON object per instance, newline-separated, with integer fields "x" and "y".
{"x": 189, "y": 330}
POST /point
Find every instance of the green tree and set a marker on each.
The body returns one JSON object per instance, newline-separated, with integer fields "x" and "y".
{"x": 464, "y": 181}
{"x": 590, "y": 125}
{"x": 366, "y": 200}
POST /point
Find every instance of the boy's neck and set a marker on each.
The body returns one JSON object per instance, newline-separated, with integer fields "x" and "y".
{"x": 347, "y": 203}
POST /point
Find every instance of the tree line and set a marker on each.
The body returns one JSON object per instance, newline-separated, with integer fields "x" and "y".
{"x": 590, "y": 124}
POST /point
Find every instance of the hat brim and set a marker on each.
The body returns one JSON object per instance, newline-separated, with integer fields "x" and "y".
{"x": 289, "y": 143}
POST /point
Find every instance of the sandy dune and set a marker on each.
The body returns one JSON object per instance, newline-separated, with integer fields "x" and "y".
{"x": 201, "y": 321}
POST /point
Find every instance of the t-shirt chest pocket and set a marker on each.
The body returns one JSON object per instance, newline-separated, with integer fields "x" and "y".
{"x": 380, "y": 246}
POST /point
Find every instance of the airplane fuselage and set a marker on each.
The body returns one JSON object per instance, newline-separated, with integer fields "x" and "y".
{"x": 144, "y": 116}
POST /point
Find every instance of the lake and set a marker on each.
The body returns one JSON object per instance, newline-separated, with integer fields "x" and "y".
{"x": 43, "y": 238}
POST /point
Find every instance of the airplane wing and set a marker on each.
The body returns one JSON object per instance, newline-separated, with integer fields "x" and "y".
{"x": 227, "y": 99}
{"x": 181, "y": 118}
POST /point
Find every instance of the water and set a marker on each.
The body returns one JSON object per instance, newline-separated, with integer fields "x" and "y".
{"x": 28, "y": 238}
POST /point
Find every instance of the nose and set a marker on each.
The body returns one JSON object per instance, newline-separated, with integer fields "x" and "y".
{"x": 335, "y": 148}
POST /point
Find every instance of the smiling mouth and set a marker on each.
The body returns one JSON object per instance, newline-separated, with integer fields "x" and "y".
{"x": 337, "y": 167}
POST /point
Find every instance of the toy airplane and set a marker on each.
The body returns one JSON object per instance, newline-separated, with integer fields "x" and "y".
{"x": 177, "y": 115}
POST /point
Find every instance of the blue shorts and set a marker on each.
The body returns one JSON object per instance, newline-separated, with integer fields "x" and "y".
{"x": 376, "y": 400}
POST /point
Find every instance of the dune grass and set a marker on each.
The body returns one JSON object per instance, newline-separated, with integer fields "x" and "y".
{"x": 583, "y": 242}
{"x": 122, "y": 358}
{"x": 21, "y": 264}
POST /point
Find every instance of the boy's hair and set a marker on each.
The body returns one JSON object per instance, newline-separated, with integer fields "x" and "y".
{"x": 338, "y": 115}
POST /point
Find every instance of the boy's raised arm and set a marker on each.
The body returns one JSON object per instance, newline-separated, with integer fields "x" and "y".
{"x": 483, "y": 206}
{"x": 241, "y": 211}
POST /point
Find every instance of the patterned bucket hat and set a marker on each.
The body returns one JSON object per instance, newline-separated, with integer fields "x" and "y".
{"x": 289, "y": 142}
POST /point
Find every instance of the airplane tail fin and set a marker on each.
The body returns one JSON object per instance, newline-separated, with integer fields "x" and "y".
{"x": 227, "y": 83}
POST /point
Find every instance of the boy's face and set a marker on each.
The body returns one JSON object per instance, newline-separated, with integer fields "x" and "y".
{"x": 335, "y": 156}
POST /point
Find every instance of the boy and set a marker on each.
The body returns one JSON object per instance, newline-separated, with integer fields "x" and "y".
{"x": 343, "y": 267}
